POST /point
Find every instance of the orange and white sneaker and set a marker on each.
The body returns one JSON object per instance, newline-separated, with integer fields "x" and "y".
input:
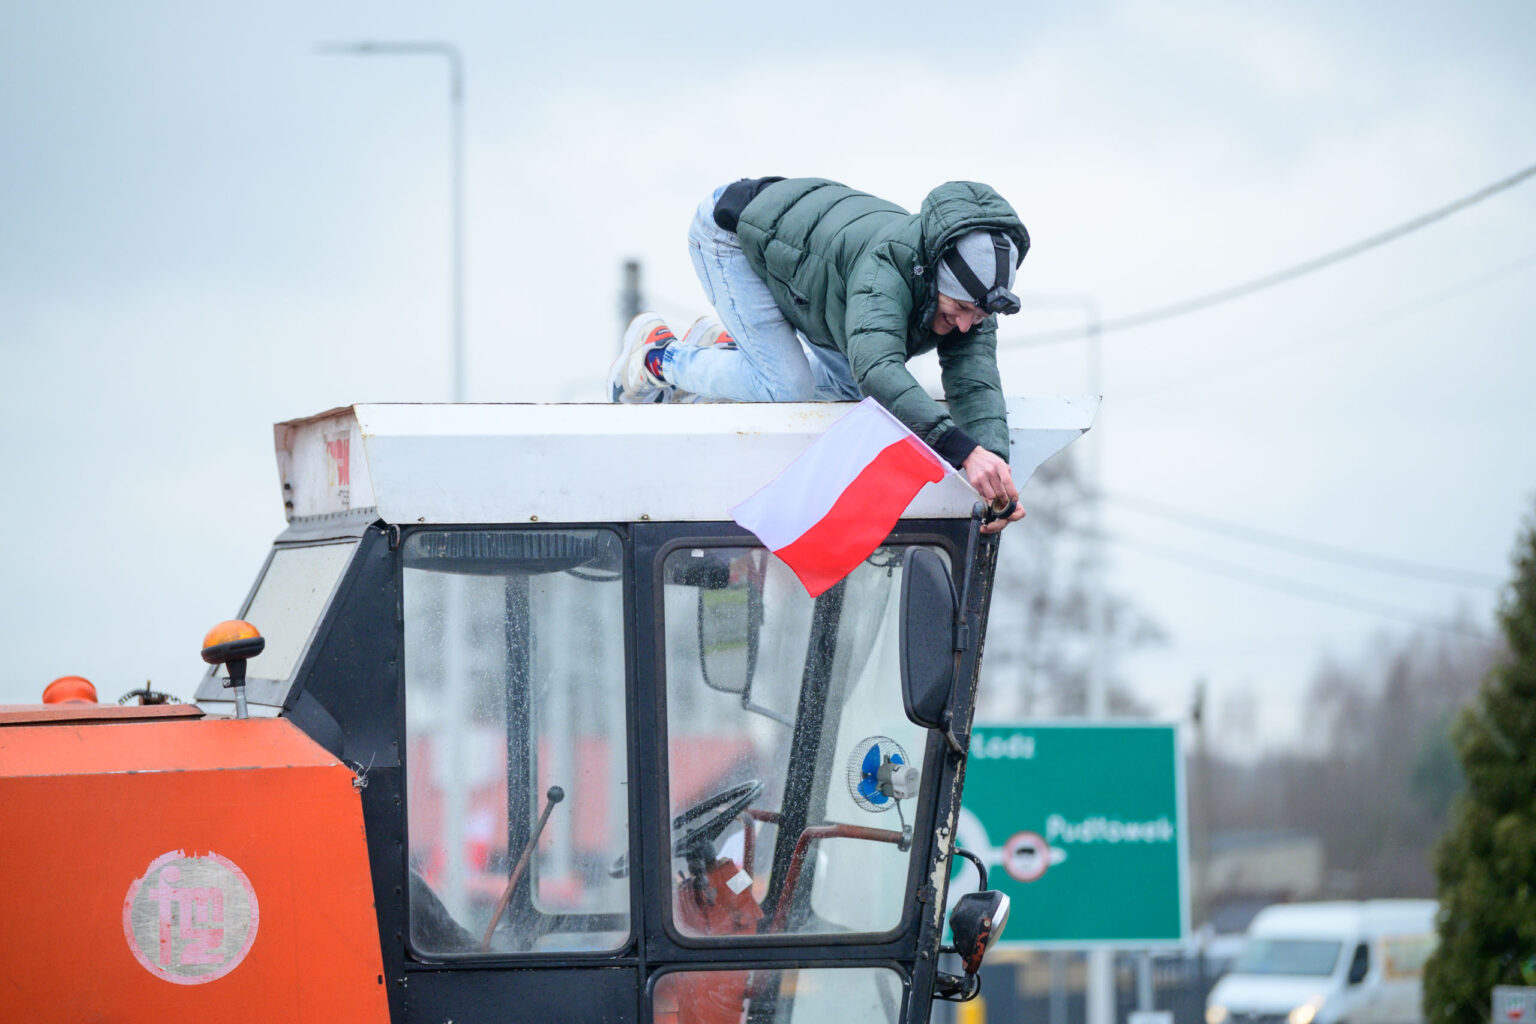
{"x": 635, "y": 378}
{"x": 706, "y": 332}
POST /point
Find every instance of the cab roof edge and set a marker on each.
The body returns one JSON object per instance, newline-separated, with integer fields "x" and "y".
{"x": 582, "y": 463}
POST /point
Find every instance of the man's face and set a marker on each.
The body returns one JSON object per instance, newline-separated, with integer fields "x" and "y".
{"x": 954, "y": 315}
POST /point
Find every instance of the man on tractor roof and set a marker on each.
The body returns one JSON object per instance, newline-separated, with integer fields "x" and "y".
{"x": 825, "y": 292}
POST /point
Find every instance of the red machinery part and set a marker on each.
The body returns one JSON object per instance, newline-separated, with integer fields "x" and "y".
{"x": 70, "y": 690}
{"x": 722, "y": 906}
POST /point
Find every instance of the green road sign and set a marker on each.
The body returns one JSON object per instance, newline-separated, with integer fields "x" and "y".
{"x": 1082, "y": 825}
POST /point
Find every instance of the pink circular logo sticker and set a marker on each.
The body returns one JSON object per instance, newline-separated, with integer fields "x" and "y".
{"x": 190, "y": 920}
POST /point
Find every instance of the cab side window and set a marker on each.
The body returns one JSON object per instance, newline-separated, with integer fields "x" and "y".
{"x": 1360, "y": 966}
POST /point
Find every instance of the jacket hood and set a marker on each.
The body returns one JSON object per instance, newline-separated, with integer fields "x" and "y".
{"x": 958, "y": 207}
{"x": 949, "y": 211}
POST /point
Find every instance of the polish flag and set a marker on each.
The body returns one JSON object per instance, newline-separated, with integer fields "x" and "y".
{"x": 838, "y": 501}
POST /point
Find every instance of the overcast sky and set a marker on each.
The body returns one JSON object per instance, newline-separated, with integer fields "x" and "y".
{"x": 205, "y": 228}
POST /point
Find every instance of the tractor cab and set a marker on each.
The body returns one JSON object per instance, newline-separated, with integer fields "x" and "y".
{"x": 613, "y": 762}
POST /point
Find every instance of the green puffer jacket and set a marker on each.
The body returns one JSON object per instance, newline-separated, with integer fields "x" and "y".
{"x": 859, "y": 275}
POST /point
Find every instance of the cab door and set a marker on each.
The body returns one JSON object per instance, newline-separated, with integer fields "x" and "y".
{"x": 518, "y": 771}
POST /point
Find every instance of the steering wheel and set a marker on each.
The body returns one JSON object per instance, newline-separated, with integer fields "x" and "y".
{"x": 702, "y": 823}
{"x": 705, "y": 820}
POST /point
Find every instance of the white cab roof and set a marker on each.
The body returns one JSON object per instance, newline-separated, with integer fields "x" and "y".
{"x": 591, "y": 463}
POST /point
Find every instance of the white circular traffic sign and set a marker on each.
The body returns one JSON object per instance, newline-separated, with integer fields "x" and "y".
{"x": 1026, "y": 855}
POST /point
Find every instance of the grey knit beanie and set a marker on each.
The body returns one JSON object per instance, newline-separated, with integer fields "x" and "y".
{"x": 975, "y": 248}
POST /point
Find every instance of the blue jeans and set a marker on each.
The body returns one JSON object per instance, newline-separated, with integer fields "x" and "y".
{"x": 770, "y": 363}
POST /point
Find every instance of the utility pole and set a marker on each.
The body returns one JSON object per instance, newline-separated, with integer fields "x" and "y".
{"x": 1202, "y": 773}
{"x": 631, "y": 299}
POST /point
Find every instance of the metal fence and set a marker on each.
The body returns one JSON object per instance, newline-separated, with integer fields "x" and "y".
{"x": 1048, "y": 988}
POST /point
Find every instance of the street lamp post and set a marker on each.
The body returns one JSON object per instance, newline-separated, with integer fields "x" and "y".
{"x": 450, "y": 53}
{"x": 457, "y": 662}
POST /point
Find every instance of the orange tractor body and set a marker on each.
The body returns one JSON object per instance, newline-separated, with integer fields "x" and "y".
{"x": 162, "y": 866}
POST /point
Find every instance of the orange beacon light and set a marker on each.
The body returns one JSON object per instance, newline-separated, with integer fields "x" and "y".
{"x": 232, "y": 643}
{"x": 69, "y": 690}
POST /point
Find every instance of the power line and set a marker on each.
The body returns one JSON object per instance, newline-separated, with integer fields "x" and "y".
{"x": 1308, "y": 548}
{"x": 1296, "y": 588}
{"x": 1257, "y": 284}
{"x": 1330, "y": 337}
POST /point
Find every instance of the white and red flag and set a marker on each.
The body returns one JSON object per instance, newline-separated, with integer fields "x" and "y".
{"x": 838, "y": 501}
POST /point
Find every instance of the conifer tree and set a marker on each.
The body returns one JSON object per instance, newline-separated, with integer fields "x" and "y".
{"x": 1486, "y": 862}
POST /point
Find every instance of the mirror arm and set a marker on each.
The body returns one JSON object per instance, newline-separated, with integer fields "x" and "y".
{"x": 980, "y": 867}
{"x": 954, "y": 988}
{"x": 766, "y": 712}
{"x": 956, "y": 747}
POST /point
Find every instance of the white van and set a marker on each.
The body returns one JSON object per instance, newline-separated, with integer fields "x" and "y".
{"x": 1329, "y": 963}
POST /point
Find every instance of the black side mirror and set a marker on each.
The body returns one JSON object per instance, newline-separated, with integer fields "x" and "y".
{"x": 928, "y": 608}
{"x": 976, "y": 923}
